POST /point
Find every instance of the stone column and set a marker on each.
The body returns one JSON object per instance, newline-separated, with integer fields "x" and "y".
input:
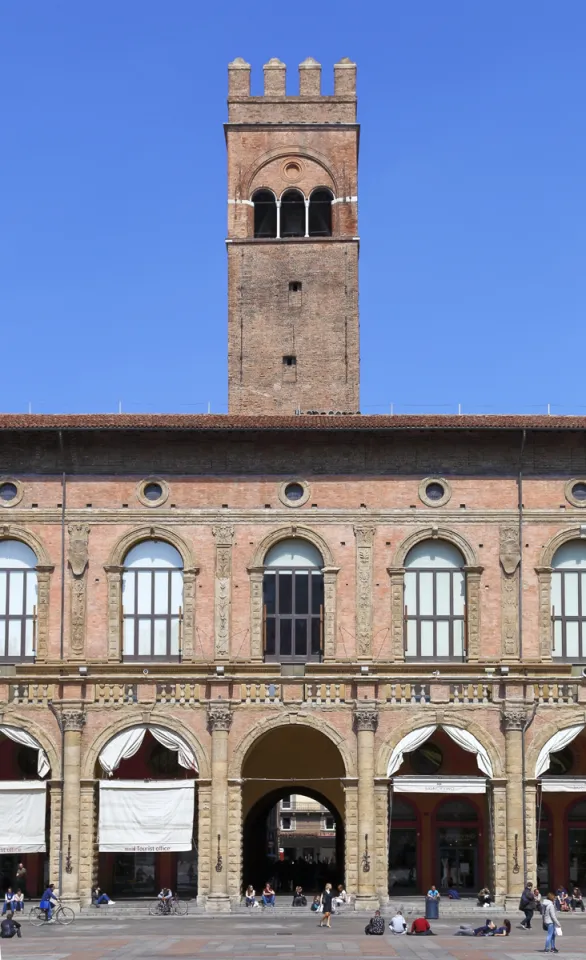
{"x": 514, "y": 717}
{"x": 220, "y": 721}
{"x": 366, "y": 718}
{"x": 73, "y": 720}
{"x": 499, "y": 840}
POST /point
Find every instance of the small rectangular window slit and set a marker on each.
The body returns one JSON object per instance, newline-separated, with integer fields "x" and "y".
{"x": 295, "y": 286}
{"x": 290, "y": 360}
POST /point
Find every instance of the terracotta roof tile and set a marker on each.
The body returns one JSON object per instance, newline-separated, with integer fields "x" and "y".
{"x": 221, "y": 422}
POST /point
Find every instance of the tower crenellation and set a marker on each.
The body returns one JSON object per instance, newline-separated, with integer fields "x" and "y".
{"x": 292, "y": 241}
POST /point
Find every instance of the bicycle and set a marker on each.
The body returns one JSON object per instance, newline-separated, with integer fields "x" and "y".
{"x": 63, "y": 915}
{"x": 174, "y": 907}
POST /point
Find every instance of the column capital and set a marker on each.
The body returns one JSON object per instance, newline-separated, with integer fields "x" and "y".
{"x": 73, "y": 719}
{"x": 224, "y": 534}
{"x": 366, "y": 717}
{"x": 219, "y": 716}
{"x": 364, "y": 534}
{"x": 514, "y": 717}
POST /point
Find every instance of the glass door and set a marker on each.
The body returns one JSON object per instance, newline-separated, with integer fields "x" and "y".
{"x": 403, "y": 861}
{"x": 458, "y": 858}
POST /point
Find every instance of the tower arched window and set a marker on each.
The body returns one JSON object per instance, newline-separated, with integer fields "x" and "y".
{"x": 293, "y": 602}
{"x": 320, "y": 213}
{"x": 568, "y": 600}
{"x": 292, "y": 214}
{"x": 18, "y": 601}
{"x": 435, "y": 602}
{"x": 152, "y": 602}
{"x": 265, "y": 214}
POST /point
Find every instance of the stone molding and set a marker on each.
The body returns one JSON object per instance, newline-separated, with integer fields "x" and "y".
{"x": 397, "y": 575}
{"x": 247, "y": 185}
{"x": 44, "y": 569}
{"x": 364, "y": 535}
{"x": 289, "y": 531}
{"x": 473, "y": 575}
{"x": 435, "y": 532}
{"x": 139, "y": 534}
{"x": 220, "y": 717}
{"x": 224, "y": 536}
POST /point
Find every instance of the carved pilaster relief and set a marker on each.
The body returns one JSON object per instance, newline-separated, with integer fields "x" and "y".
{"x": 330, "y": 591}
{"x": 88, "y": 846}
{"x": 499, "y": 816}
{"x": 545, "y": 626}
{"x": 397, "y": 575}
{"x": 204, "y": 800}
{"x": 510, "y": 557}
{"x": 224, "y": 535}
{"x": 473, "y": 575}
{"x": 78, "y": 562}
{"x": 235, "y": 832}
{"x": 364, "y": 564}
{"x": 256, "y": 613}
{"x": 43, "y": 584}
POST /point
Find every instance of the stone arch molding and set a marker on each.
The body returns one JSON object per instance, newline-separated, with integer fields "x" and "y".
{"x": 473, "y": 573}
{"x": 256, "y": 572}
{"x": 45, "y": 568}
{"x": 279, "y": 153}
{"x": 175, "y": 725}
{"x": 114, "y": 569}
{"x": 571, "y": 724}
{"x": 449, "y": 720}
{"x": 544, "y": 572}
{"x": 320, "y": 724}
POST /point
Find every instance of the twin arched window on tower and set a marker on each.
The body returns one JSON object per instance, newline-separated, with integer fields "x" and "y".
{"x": 292, "y": 215}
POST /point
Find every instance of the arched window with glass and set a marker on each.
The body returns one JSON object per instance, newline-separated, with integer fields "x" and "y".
{"x": 293, "y": 602}
{"x": 152, "y": 602}
{"x": 18, "y": 602}
{"x": 568, "y": 601}
{"x": 435, "y": 602}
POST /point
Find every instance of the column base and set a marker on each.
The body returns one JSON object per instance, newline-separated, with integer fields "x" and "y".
{"x": 512, "y": 905}
{"x": 218, "y": 903}
{"x": 73, "y": 902}
{"x": 366, "y": 901}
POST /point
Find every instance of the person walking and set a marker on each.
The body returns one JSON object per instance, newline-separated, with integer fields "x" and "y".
{"x": 527, "y": 905}
{"x": 326, "y": 902}
{"x": 550, "y": 922}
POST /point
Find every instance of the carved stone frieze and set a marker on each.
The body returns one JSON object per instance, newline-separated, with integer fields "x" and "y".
{"x": 219, "y": 716}
{"x": 224, "y": 535}
{"x": 510, "y": 557}
{"x": 364, "y": 565}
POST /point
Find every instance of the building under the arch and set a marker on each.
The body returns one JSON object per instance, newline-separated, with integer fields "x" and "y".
{"x": 385, "y": 614}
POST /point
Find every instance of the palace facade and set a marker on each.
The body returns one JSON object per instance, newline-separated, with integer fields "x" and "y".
{"x": 201, "y": 616}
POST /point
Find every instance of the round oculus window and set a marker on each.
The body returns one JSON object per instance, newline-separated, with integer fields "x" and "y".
{"x": 579, "y": 491}
{"x": 294, "y": 492}
{"x": 427, "y": 759}
{"x": 8, "y": 491}
{"x": 434, "y": 491}
{"x": 152, "y": 491}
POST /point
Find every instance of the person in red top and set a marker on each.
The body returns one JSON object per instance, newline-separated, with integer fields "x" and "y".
{"x": 421, "y": 928}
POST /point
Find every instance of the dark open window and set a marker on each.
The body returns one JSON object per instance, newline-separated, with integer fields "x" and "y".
{"x": 265, "y": 214}
{"x": 292, "y": 214}
{"x": 293, "y": 598}
{"x": 320, "y": 213}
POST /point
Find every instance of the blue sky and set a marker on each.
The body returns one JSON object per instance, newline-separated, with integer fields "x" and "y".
{"x": 472, "y": 200}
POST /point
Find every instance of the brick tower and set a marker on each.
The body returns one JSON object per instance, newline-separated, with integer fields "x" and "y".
{"x": 292, "y": 242}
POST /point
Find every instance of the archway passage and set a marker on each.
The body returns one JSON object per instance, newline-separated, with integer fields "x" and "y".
{"x": 150, "y": 785}
{"x": 561, "y": 809}
{"x": 289, "y": 762}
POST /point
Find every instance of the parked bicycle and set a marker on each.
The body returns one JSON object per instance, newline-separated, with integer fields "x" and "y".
{"x": 61, "y": 914}
{"x": 163, "y": 908}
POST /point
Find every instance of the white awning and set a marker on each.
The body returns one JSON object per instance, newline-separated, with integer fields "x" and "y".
{"x": 127, "y": 743}
{"x": 146, "y": 816}
{"x": 24, "y": 738}
{"x": 563, "y": 784}
{"x": 463, "y": 738}
{"x": 455, "y": 785}
{"x": 22, "y": 816}
{"x": 556, "y": 743}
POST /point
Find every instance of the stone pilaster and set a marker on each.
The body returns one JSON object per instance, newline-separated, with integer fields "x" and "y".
{"x": 499, "y": 816}
{"x": 56, "y": 796}
{"x": 473, "y": 575}
{"x": 220, "y": 721}
{"x": 545, "y": 625}
{"x": 510, "y": 557}
{"x": 397, "y": 575}
{"x": 224, "y": 535}
{"x": 204, "y": 831}
{"x": 330, "y": 575}
{"x": 72, "y": 719}
{"x": 381, "y": 818}
{"x": 351, "y": 837}
{"x": 88, "y": 841}
{"x": 514, "y": 718}
{"x": 366, "y": 720}
{"x": 531, "y": 829}
{"x": 256, "y": 613}
{"x": 364, "y": 565}
{"x": 44, "y": 572}
{"x": 188, "y": 647}
{"x": 78, "y": 562}
{"x": 235, "y": 826}
{"x": 114, "y": 590}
